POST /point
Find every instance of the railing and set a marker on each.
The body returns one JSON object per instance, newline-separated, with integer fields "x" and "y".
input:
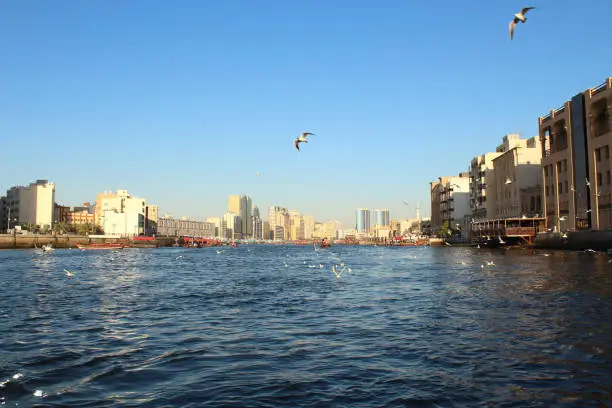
{"x": 601, "y": 87}
{"x": 520, "y": 231}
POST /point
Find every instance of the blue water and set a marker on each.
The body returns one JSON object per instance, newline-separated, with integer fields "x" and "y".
{"x": 266, "y": 326}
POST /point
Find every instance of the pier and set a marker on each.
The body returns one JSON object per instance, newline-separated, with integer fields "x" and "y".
{"x": 506, "y": 231}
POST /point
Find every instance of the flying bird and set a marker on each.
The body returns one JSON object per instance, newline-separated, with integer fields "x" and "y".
{"x": 518, "y": 17}
{"x": 301, "y": 139}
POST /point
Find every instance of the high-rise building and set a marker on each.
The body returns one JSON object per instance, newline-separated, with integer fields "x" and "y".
{"x": 3, "y": 216}
{"x": 382, "y": 217}
{"x": 308, "y": 226}
{"x": 234, "y": 225}
{"x": 278, "y": 217}
{"x": 296, "y": 226}
{"x": 32, "y": 204}
{"x": 242, "y": 205}
{"x": 258, "y": 230}
{"x": 362, "y": 223}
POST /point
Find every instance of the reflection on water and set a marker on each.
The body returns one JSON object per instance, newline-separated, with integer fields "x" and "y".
{"x": 258, "y": 325}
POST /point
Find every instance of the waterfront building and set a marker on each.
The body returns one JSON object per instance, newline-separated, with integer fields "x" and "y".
{"x": 296, "y": 225}
{"x": 258, "y": 230}
{"x": 217, "y": 221}
{"x": 151, "y": 219}
{"x": 233, "y": 224}
{"x": 266, "y": 230}
{"x": 453, "y": 211}
{"x": 170, "y": 227}
{"x": 78, "y": 217}
{"x": 308, "y": 226}
{"x": 278, "y": 217}
{"x": 382, "y": 217}
{"x": 517, "y": 172}
{"x": 120, "y": 213}
{"x": 3, "y": 216}
{"x": 482, "y": 203}
{"x": 242, "y": 206}
{"x": 362, "y": 221}
{"x": 32, "y": 204}
{"x": 576, "y": 140}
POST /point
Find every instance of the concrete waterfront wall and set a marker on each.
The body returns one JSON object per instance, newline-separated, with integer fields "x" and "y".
{"x": 575, "y": 241}
{"x": 69, "y": 241}
{"x": 28, "y": 241}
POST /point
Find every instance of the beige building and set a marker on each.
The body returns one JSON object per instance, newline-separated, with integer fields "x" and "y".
{"x": 168, "y": 226}
{"x": 278, "y": 217}
{"x": 296, "y": 225}
{"x": 482, "y": 202}
{"x": 330, "y": 229}
{"x": 82, "y": 217}
{"x": 308, "y": 226}
{"x": 32, "y": 204}
{"x": 516, "y": 169}
{"x": 242, "y": 206}
{"x": 576, "y": 163}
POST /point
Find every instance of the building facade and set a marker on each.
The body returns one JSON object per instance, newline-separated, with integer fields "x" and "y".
{"x": 516, "y": 169}
{"x": 575, "y": 141}
{"x": 482, "y": 203}
{"x": 121, "y": 213}
{"x": 4, "y": 218}
{"x": 278, "y": 217}
{"x": 362, "y": 221}
{"x": 296, "y": 226}
{"x": 32, "y": 204}
{"x": 382, "y": 217}
{"x": 242, "y": 206}
{"x": 308, "y": 226}
{"x": 258, "y": 230}
{"x": 454, "y": 200}
{"x": 170, "y": 227}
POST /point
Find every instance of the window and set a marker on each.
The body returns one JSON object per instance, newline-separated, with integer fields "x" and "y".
{"x": 608, "y": 177}
{"x": 560, "y": 186}
{"x": 565, "y": 165}
{"x": 546, "y": 171}
{"x": 547, "y": 194}
{"x": 607, "y": 151}
{"x": 598, "y": 155}
{"x": 599, "y": 179}
{"x": 566, "y": 186}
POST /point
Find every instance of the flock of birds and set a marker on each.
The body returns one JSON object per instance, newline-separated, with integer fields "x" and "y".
{"x": 518, "y": 18}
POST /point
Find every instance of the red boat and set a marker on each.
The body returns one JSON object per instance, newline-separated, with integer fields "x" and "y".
{"x": 84, "y": 247}
{"x": 324, "y": 244}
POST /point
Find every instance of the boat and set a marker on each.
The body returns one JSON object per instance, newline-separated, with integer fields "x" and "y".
{"x": 324, "y": 244}
{"x": 84, "y": 247}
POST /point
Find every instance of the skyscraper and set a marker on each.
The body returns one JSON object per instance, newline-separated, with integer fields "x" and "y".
{"x": 382, "y": 217}
{"x": 242, "y": 205}
{"x": 362, "y": 222}
{"x": 257, "y": 224}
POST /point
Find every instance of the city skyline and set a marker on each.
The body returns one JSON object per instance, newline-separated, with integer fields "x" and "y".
{"x": 186, "y": 113}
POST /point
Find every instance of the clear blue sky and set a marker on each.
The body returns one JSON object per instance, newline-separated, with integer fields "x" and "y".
{"x": 183, "y": 102}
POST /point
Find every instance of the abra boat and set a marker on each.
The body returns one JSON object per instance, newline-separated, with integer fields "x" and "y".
{"x": 84, "y": 247}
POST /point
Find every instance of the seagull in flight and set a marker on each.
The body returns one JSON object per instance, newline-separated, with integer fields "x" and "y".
{"x": 301, "y": 139}
{"x": 518, "y": 17}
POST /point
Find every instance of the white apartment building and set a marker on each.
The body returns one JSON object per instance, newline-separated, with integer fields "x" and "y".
{"x": 455, "y": 203}
{"x": 33, "y": 204}
{"x": 120, "y": 213}
{"x": 278, "y": 217}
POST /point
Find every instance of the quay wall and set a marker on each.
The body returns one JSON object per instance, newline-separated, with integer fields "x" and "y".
{"x": 575, "y": 241}
{"x": 69, "y": 241}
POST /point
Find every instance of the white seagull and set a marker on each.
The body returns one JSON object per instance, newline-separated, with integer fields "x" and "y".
{"x": 301, "y": 139}
{"x": 518, "y": 17}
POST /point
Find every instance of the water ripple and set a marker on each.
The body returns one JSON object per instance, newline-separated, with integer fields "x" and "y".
{"x": 422, "y": 327}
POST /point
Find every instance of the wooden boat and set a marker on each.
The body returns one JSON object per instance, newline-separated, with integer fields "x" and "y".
{"x": 324, "y": 244}
{"x": 84, "y": 247}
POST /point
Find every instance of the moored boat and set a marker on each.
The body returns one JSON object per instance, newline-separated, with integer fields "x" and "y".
{"x": 84, "y": 247}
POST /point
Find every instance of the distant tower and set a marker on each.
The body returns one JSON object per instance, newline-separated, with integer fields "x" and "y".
{"x": 418, "y": 216}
